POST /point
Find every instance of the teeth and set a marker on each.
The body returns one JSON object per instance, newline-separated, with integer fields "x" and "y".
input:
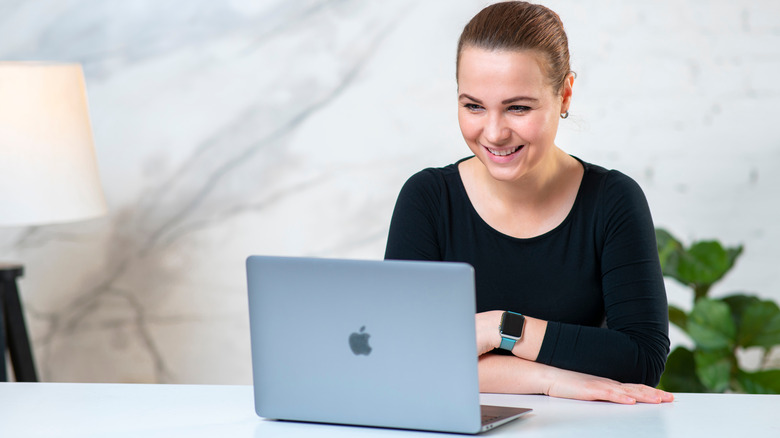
{"x": 505, "y": 152}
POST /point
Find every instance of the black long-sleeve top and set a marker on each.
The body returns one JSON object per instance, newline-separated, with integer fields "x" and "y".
{"x": 595, "y": 278}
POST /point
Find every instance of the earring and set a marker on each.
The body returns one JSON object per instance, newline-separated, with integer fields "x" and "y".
{"x": 565, "y": 115}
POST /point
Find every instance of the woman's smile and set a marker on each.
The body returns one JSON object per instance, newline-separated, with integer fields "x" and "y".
{"x": 504, "y": 152}
{"x": 503, "y": 155}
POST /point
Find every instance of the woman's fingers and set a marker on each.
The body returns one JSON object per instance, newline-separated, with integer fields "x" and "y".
{"x": 629, "y": 393}
{"x": 580, "y": 386}
{"x": 647, "y": 394}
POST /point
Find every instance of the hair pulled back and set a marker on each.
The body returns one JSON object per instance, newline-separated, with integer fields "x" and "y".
{"x": 517, "y": 26}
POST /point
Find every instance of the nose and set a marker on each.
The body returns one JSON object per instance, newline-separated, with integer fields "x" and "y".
{"x": 496, "y": 130}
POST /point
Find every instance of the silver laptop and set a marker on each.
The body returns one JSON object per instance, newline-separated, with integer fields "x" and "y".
{"x": 370, "y": 343}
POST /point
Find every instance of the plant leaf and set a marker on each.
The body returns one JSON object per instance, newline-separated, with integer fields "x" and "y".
{"x": 711, "y": 325}
{"x": 669, "y": 250}
{"x": 699, "y": 266}
{"x": 733, "y": 253}
{"x": 714, "y": 368}
{"x": 678, "y": 317}
{"x": 738, "y": 304}
{"x": 759, "y": 324}
{"x": 760, "y": 382}
{"x": 680, "y": 373}
{"x": 704, "y": 263}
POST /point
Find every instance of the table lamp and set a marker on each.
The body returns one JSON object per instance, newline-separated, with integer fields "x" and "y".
{"x": 48, "y": 174}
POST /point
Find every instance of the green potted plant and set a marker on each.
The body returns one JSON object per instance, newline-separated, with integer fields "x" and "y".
{"x": 718, "y": 327}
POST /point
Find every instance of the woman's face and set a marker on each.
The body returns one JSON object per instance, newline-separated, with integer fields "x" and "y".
{"x": 507, "y": 110}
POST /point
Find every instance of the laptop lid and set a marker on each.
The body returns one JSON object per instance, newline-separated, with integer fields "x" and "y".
{"x": 373, "y": 343}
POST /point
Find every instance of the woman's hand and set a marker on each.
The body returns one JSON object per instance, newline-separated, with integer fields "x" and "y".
{"x": 513, "y": 375}
{"x": 570, "y": 384}
{"x": 488, "y": 336}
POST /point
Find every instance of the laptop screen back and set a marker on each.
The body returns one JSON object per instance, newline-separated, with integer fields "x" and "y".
{"x": 376, "y": 343}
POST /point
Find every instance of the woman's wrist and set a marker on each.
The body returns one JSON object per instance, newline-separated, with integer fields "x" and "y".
{"x": 507, "y": 374}
{"x": 488, "y": 335}
{"x": 529, "y": 345}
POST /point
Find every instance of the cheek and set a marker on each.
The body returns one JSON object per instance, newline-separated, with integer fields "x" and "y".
{"x": 537, "y": 128}
{"x": 469, "y": 128}
{"x": 466, "y": 125}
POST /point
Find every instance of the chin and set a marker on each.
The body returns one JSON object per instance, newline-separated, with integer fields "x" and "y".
{"x": 503, "y": 172}
{"x": 505, "y": 175}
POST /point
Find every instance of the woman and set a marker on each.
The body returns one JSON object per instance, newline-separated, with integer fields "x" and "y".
{"x": 567, "y": 244}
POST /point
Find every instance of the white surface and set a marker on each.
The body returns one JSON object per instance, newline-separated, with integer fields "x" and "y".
{"x": 115, "y": 410}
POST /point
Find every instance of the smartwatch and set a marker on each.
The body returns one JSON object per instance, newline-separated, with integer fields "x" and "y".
{"x": 511, "y": 329}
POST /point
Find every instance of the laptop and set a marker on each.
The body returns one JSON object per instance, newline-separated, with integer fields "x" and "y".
{"x": 367, "y": 342}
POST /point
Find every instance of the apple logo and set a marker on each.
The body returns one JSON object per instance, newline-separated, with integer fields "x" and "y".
{"x": 358, "y": 342}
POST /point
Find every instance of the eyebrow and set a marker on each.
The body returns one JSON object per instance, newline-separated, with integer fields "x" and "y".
{"x": 503, "y": 102}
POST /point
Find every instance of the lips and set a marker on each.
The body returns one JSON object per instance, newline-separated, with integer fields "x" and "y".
{"x": 504, "y": 152}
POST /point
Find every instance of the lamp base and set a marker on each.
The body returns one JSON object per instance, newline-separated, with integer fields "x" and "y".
{"x": 13, "y": 328}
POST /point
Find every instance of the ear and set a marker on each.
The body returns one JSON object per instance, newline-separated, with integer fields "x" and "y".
{"x": 566, "y": 92}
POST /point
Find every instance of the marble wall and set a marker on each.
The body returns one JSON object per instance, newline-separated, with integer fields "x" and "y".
{"x": 242, "y": 127}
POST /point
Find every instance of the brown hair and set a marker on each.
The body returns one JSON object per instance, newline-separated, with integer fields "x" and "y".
{"x": 518, "y": 25}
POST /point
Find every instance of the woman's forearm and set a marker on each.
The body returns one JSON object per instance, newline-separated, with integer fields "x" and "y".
{"x": 510, "y": 375}
{"x": 514, "y": 375}
{"x": 588, "y": 350}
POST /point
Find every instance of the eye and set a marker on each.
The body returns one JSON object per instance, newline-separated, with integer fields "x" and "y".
{"x": 518, "y": 109}
{"x": 473, "y": 107}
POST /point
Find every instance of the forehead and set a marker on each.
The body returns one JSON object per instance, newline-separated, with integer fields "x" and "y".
{"x": 508, "y": 70}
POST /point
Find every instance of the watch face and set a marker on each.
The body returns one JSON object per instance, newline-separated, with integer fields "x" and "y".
{"x": 513, "y": 324}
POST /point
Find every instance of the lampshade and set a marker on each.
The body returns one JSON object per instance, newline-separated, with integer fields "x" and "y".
{"x": 48, "y": 168}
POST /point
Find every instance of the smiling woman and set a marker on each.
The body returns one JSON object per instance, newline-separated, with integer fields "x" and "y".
{"x": 570, "y": 296}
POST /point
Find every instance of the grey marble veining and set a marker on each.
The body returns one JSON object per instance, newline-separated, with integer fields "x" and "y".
{"x": 223, "y": 175}
{"x": 225, "y": 129}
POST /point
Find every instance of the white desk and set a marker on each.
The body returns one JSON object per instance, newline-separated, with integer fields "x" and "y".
{"x": 90, "y": 410}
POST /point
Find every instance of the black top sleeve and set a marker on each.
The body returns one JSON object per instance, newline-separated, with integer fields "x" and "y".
{"x": 634, "y": 346}
{"x": 414, "y": 227}
{"x": 595, "y": 278}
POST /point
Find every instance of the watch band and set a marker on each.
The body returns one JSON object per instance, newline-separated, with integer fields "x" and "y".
{"x": 507, "y": 343}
